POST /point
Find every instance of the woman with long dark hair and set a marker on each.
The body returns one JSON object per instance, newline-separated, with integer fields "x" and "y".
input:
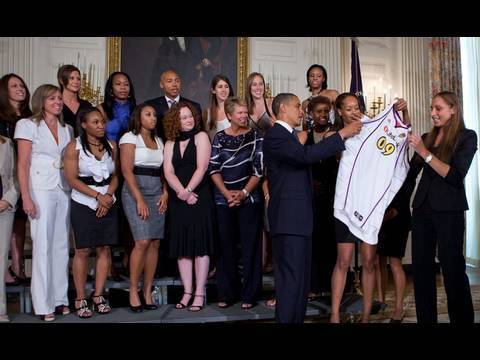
{"x": 214, "y": 116}
{"x": 70, "y": 82}
{"x": 445, "y": 155}
{"x": 15, "y": 105}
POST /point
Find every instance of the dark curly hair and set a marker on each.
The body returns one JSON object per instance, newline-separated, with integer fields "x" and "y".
{"x": 171, "y": 121}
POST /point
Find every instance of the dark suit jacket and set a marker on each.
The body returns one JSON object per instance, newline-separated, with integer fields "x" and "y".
{"x": 161, "y": 107}
{"x": 290, "y": 210}
{"x": 443, "y": 194}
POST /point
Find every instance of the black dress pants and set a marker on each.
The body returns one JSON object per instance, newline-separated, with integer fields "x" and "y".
{"x": 447, "y": 230}
{"x": 239, "y": 223}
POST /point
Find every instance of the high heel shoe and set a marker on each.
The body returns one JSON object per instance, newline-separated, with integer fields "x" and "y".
{"x": 181, "y": 305}
{"x": 196, "y": 308}
{"x": 137, "y": 308}
{"x": 146, "y": 306}
{"x": 101, "y": 306}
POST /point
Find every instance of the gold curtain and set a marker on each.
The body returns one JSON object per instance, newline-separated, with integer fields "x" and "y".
{"x": 444, "y": 65}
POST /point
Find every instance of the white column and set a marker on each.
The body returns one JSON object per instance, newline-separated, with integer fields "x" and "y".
{"x": 415, "y": 82}
{"x": 16, "y": 57}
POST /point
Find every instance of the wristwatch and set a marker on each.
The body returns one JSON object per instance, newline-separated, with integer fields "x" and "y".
{"x": 189, "y": 189}
{"x": 245, "y": 192}
{"x": 429, "y": 158}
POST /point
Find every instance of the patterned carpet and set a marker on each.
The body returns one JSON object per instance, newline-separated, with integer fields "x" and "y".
{"x": 384, "y": 316}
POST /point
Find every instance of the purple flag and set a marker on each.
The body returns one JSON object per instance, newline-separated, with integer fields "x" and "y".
{"x": 356, "y": 86}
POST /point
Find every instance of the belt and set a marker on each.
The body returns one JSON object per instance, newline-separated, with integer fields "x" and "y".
{"x": 138, "y": 170}
{"x": 89, "y": 180}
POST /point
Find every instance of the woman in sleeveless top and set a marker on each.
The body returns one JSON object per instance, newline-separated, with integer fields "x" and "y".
{"x": 70, "y": 81}
{"x": 215, "y": 117}
{"x": 90, "y": 169}
{"x": 192, "y": 224}
{"x": 145, "y": 199}
{"x": 260, "y": 114}
{"x": 261, "y": 118}
{"x": 318, "y": 85}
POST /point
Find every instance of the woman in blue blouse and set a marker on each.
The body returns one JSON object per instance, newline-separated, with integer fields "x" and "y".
{"x": 236, "y": 169}
{"x": 118, "y": 107}
{"x": 119, "y": 104}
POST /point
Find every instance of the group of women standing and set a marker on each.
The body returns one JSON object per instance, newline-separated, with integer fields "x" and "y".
{"x": 71, "y": 170}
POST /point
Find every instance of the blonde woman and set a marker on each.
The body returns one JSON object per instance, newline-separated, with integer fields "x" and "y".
{"x": 41, "y": 140}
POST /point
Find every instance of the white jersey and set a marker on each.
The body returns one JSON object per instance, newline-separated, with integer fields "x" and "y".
{"x": 372, "y": 169}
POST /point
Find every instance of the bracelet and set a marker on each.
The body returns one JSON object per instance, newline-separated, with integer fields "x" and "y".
{"x": 189, "y": 189}
{"x": 96, "y": 196}
{"x": 245, "y": 192}
{"x": 429, "y": 158}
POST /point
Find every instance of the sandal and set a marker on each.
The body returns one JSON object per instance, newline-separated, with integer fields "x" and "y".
{"x": 100, "y": 307}
{"x": 83, "y": 312}
{"x": 271, "y": 302}
{"x": 247, "y": 306}
{"x": 62, "y": 310}
{"x": 196, "y": 308}
{"x": 48, "y": 317}
{"x": 224, "y": 304}
{"x": 181, "y": 305}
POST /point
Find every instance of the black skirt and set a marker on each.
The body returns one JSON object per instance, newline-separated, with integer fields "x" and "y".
{"x": 91, "y": 231}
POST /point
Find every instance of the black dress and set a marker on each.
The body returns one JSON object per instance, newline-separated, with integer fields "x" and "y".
{"x": 192, "y": 227}
{"x": 324, "y": 245}
{"x": 70, "y": 118}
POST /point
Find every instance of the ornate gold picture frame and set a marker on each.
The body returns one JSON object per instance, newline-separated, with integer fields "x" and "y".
{"x": 114, "y": 55}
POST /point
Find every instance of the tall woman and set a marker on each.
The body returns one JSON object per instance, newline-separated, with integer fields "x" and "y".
{"x": 69, "y": 80}
{"x": 144, "y": 200}
{"x": 46, "y": 198}
{"x": 317, "y": 83}
{"x": 118, "y": 105}
{"x": 261, "y": 118}
{"x": 192, "y": 225}
{"x": 214, "y": 116}
{"x": 445, "y": 155}
{"x": 91, "y": 171}
{"x": 15, "y": 105}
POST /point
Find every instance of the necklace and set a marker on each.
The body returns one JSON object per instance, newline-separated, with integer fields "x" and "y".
{"x": 95, "y": 144}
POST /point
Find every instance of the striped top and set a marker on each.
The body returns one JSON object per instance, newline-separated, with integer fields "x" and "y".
{"x": 237, "y": 158}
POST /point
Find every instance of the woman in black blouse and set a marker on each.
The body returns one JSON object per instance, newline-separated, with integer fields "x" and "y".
{"x": 14, "y": 105}
{"x": 236, "y": 169}
{"x": 70, "y": 82}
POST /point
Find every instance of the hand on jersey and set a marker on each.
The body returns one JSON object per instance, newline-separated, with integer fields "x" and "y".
{"x": 352, "y": 129}
{"x": 390, "y": 214}
{"x": 400, "y": 105}
{"x": 416, "y": 142}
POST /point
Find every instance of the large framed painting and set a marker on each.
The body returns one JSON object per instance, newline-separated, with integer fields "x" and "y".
{"x": 196, "y": 59}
